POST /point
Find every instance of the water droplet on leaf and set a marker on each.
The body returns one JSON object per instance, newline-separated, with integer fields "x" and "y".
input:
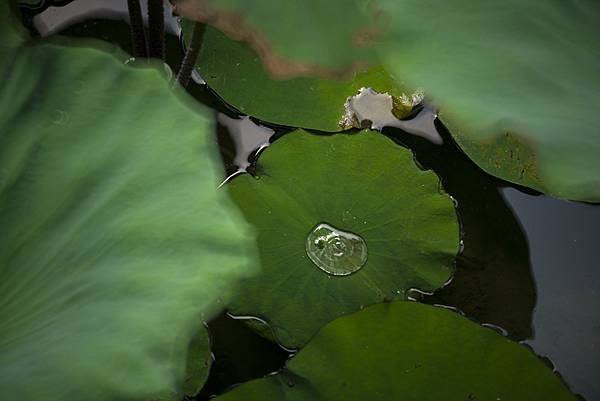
{"x": 335, "y": 251}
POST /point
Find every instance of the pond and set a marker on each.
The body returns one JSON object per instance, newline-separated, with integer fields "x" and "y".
{"x": 525, "y": 265}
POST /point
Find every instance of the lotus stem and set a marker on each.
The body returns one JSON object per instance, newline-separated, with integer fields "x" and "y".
{"x": 136, "y": 23}
{"x": 156, "y": 23}
{"x": 191, "y": 55}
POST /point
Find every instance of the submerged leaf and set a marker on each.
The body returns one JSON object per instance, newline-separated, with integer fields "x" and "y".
{"x": 407, "y": 351}
{"x": 326, "y": 195}
{"x": 114, "y": 240}
{"x": 516, "y": 81}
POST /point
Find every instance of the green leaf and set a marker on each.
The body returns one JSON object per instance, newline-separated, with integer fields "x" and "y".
{"x": 516, "y": 81}
{"x": 236, "y": 73}
{"x": 198, "y": 363}
{"x": 114, "y": 240}
{"x": 293, "y": 37}
{"x": 410, "y": 352}
{"x": 360, "y": 183}
{"x": 10, "y": 29}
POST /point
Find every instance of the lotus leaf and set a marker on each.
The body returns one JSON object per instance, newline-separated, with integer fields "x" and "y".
{"x": 293, "y": 37}
{"x": 516, "y": 82}
{"x": 405, "y": 351}
{"x": 114, "y": 240}
{"x": 236, "y": 73}
{"x": 363, "y": 184}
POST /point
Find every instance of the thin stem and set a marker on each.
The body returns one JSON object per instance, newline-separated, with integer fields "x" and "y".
{"x": 136, "y": 23}
{"x": 156, "y": 23}
{"x": 191, "y": 55}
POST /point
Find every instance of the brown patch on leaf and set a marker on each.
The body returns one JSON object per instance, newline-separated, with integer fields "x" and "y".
{"x": 366, "y": 36}
{"x": 236, "y": 27}
{"x": 507, "y": 155}
{"x": 371, "y": 34}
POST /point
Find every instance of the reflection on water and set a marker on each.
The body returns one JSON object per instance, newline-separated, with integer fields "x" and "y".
{"x": 55, "y": 19}
{"x": 248, "y": 139}
{"x": 564, "y": 242}
{"x": 370, "y": 109}
{"x": 423, "y": 125}
{"x": 493, "y": 281}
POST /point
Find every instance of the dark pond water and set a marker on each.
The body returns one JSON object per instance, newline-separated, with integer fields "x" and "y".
{"x": 564, "y": 246}
{"x": 529, "y": 265}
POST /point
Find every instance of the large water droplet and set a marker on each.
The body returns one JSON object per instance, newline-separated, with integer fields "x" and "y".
{"x": 335, "y": 251}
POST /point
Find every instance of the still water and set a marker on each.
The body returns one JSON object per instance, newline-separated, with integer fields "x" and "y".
{"x": 564, "y": 246}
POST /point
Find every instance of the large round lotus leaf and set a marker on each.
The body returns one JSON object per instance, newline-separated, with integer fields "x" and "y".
{"x": 236, "y": 73}
{"x": 516, "y": 81}
{"x": 114, "y": 241}
{"x": 363, "y": 184}
{"x": 293, "y": 37}
{"x": 405, "y": 351}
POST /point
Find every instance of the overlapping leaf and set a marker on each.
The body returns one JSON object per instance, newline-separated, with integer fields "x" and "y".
{"x": 516, "y": 81}
{"x": 406, "y": 351}
{"x": 114, "y": 241}
{"x": 293, "y": 37}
